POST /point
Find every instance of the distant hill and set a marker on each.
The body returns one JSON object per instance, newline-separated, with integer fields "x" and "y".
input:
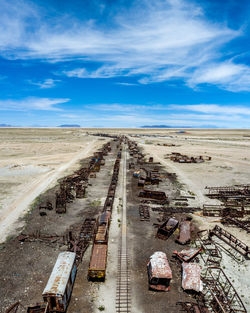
{"x": 69, "y": 125}
{"x": 164, "y": 126}
{"x": 5, "y": 125}
{"x": 180, "y": 126}
{"x": 156, "y": 126}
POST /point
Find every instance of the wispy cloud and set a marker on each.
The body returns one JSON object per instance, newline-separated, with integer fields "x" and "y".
{"x": 47, "y": 83}
{"x": 126, "y": 84}
{"x": 214, "y": 109}
{"x": 196, "y": 115}
{"x": 227, "y": 75}
{"x": 155, "y": 41}
{"x": 32, "y": 103}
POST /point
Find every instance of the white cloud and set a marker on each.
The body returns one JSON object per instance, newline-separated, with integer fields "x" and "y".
{"x": 224, "y": 110}
{"x": 155, "y": 40}
{"x": 32, "y": 103}
{"x": 229, "y": 76}
{"x": 47, "y": 83}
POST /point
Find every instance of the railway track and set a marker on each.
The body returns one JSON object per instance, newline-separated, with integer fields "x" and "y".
{"x": 123, "y": 294}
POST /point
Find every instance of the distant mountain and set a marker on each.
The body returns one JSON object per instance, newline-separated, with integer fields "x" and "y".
{"x": 5, "y": 125}
{"x": 164, "y": 126}
{"x": 156, "y": 126}
{"x": 70, "y": 125}
{"x": 181, "y": 126}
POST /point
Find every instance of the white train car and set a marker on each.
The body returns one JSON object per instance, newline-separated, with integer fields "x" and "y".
{"x": 58, "y": 290}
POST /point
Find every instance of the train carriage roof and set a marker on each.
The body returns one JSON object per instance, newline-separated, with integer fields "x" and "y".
{"x": 60, "y": 274}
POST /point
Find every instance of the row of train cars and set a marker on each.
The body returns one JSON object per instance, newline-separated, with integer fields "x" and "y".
{"x": 57, "y": 293}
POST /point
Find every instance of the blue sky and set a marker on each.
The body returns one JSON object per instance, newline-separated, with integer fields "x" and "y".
{"x": 125, "y": 63}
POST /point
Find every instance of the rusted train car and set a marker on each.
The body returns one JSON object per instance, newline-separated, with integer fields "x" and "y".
{"x": 58, "y": 290}
{"x": 98, "y": 260}
{"x": 159, "y": 272}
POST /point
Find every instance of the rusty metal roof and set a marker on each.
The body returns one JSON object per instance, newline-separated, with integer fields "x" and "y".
{"x": 98, "y": 257}
{"x": 187, "y": 254}
{"x": 60, "y": 274}
{"x": 185, "y": 232}
{"x": 191, "y": 277}
{"x": 159, "y": 265}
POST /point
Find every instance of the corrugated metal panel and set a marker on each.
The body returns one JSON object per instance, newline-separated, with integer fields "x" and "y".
{"x": 191, "y": 277}
{"x": 159, "y": 265}
{"x": 60, "y": 274}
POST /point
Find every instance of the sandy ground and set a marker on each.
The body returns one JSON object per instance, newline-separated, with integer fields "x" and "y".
{"x": 32, "y": 161}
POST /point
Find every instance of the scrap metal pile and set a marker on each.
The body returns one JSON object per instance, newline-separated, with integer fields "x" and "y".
{"x": 74, "y": 186}
{"x": 182, "y": 158}
{"x": 234, "y": 194}
{"x": 219, "y": 293}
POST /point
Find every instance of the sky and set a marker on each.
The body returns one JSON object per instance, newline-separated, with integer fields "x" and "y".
{"x": 125, "y": 63}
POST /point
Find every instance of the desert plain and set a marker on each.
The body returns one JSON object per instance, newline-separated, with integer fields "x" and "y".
{"x": 32, "y": 160}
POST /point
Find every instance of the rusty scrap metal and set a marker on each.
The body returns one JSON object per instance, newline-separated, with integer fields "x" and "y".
{"x": 212, "y": 255}
{"x": 237, "y": 193}
{"x": 13, "y": 308}
{"x": 187, "y": 255}
{"x": 224, "y": 210}
{"x": 185, "y": 232}
{"x": 38, "y": 308}
{"x": 171, "y": 210}
{"x": 37, "y": 236}
{"x": 235, "y": 222}
{"x": 191, "y": 307}
{"x": 80, "y": 241}
{"x": 231, "y": 240}
{"x": 191, "y": 277}
{"x": 144, "y": 213}
{"x": 159, "y": 272}
{"x": 167, "y": 228}
{"x": 219, "y": 293}
{"x": 157, "y": 195}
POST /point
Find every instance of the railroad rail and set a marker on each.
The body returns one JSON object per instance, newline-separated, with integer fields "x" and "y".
{"x": 123, "y": 296}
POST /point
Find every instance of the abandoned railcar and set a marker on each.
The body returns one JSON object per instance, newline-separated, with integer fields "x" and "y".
{"x": 159, "y": 272}
{"x": 97, "y": 265}
{"x": 58, "y": 290}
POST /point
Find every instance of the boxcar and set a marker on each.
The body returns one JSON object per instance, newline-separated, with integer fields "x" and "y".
{"x": 97, "y": 265}
{"x": 60, "y": 284}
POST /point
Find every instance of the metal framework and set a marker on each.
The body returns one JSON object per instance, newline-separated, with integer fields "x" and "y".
{"x": 212, "y": 255}
{"x": 144, "y": 213}
{"x": 219, "y": 293}
{"x": 240, "y": 224}
{"x": 231, "y": 240}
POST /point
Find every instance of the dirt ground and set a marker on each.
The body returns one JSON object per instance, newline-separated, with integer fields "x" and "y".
{"x": 229, "y": 165}
{"x": 39, "y": 157}
{"x": 26, "y": 266}
{"x": 31, "y": 161}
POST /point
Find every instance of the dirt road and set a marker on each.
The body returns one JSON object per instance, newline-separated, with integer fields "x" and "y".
{"x": 9, "y": 216}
